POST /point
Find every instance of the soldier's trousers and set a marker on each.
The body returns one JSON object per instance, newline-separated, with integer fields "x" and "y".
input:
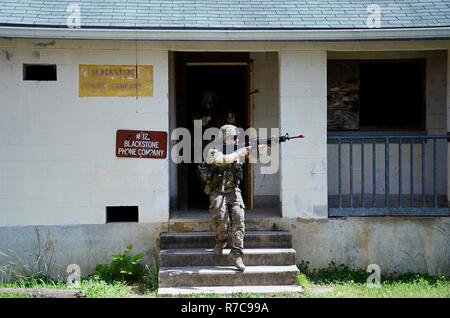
{"x": 224, "y": 207}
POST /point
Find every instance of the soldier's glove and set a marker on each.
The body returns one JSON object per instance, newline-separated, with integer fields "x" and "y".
{"x": 244, "y": 151}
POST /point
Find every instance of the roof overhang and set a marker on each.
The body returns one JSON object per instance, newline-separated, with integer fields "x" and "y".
{"x": 225, "y": 34}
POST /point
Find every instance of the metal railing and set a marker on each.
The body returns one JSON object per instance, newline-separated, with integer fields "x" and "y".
{"x": 421, "y": 197}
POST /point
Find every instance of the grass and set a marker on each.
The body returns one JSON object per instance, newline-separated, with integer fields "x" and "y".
{"x": 396, "y": 288}
{"x": 214, "y": 295}
{"x": 386, "y": 290}
{"x": 333, "y": 281}
{"x": 94, "y": 288}
{"x": 126, "y": 276}
{"x": 342, "y": 282}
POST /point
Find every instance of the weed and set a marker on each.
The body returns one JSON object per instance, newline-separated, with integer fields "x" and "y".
{"x": 14, "y": 268}
{"x": 124, "y": 267}
{"x": 151, "y": 278}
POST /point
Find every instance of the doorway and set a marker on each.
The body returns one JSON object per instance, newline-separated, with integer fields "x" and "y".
{"x": 226, "y": 76}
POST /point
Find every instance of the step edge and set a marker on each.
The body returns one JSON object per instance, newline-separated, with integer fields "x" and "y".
{"x": 195, "y": 270}
{"x": 208, "y": 251}
{"x": 185, "y": 290}
{"x": 209, "y": 233}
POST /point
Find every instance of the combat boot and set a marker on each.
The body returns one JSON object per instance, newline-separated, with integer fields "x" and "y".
{"x": 218, "y": 249}
{"x": 237, "y": 261}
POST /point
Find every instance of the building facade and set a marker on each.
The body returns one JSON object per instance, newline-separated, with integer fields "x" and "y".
{"x": 363, "y": 187}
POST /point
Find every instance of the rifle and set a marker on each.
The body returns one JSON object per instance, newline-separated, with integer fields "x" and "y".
{"x": 268, "y": 141}
{"x": 258, "y": 141}
{"x": 204, "y": 169}
{"x": 279, "y": 139}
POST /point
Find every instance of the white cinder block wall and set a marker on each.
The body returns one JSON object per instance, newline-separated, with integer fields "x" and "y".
{"x": 303, "y": 108}
{"x": 57, "y": 158}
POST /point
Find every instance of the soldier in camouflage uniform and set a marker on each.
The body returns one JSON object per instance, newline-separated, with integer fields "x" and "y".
{"x": 225, "y": 195}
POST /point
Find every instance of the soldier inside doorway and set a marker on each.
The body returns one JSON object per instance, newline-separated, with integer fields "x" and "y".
{"x": 212, "y": 113}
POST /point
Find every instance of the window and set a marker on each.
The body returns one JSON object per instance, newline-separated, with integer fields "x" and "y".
{"x": 122, "y": 214}
{"x": 39, "y": 72}
{"x": 376, "y": 95}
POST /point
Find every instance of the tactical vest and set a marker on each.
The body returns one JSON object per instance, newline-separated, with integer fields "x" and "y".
{"x": 224, "y": 178}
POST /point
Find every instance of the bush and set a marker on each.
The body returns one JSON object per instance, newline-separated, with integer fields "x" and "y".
{"x": 419, "y": 278}
{"x": 304, "y": 267}
{"x": 333, "y": 274}
{"x": 303, "y": 280}
{"x": 124, "y": 267}
{"x": 339, "y": 274}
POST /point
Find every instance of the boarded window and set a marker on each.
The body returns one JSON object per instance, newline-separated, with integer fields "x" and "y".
{"x": 381, "y": 94}
{"x": 343, "y": 95}
{"x": 122, "y": 214}
{"x": 39, "y": 72}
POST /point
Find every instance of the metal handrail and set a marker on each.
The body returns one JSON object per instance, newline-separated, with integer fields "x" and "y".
{"x": 388, "y": 141}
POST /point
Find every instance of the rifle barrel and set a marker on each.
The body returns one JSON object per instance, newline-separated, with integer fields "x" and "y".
{"x": 269, "y": 140}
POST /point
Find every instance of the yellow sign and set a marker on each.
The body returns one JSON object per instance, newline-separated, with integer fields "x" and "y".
{"x": 116, "y": 80}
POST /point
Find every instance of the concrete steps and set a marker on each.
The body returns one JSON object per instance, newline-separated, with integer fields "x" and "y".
{"x": 205, "y": 257}
{"x": 228, "y": 290}
{"x": 203, "y": 224}
{"x": 226, "y": 276}
{"x": 253, "y": 239}
{"x": 188, "y": 264}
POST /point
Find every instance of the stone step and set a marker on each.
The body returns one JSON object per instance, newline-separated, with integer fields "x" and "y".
{"x": 227, "y": 276}
{"x": 228, "y": 290}
{"x": 203, "y": 224}
{"x": 205, "y": 257}
{"x": 266, "y": 239}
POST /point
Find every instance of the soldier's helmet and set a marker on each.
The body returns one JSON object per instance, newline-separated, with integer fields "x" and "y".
{"x": 209, "y": 97}
{"x": 229, "y": 131}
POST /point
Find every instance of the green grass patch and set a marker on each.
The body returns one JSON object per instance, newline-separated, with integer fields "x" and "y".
{"x": 13, "y": 295}
{"x": 126, "y": 276}
{"x": 95, "y": 288}
{"x": 341, "y": 281}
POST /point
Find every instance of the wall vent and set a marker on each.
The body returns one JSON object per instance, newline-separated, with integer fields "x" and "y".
{"x": 122, "y": 214}
{"x": 39, "y": 72}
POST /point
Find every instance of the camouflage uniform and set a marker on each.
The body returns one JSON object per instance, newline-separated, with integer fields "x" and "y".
{"x": 226, "y": 199}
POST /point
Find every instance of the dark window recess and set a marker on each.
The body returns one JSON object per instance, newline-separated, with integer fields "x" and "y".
{"x": 39, "y": 72}
{"x": 376, "y": 95}
{"x": 392, "y": 95}
{"x": 122, "y": 214}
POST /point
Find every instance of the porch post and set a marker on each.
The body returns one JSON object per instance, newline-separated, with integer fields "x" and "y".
{"x": 303, "y": 109}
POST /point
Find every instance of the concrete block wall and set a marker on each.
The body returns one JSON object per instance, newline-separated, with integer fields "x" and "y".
{"x": 436, "y": 94}
{"x": 397, "y": 245}
{"x": 58, "y": 163}
{"x": 303, "y": 109}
